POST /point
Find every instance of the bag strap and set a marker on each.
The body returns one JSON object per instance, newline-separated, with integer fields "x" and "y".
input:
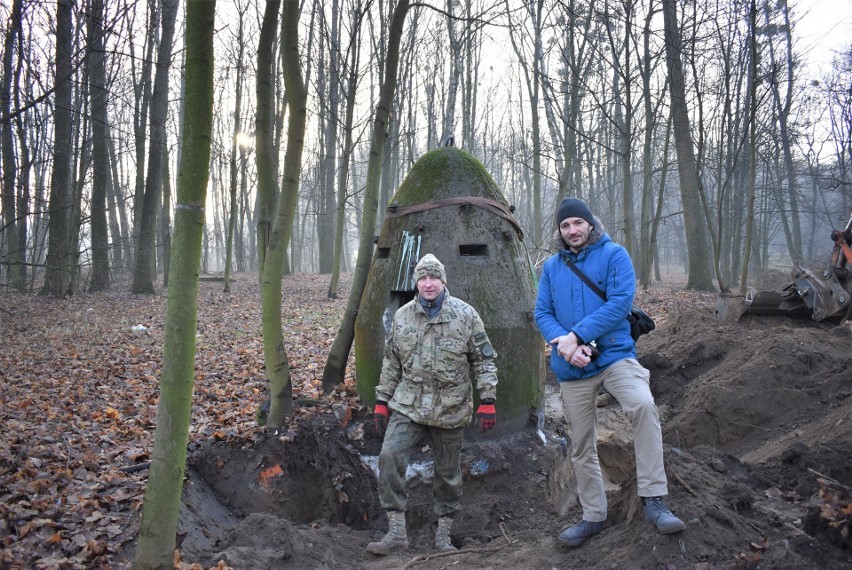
{"x": 584, "y": 278}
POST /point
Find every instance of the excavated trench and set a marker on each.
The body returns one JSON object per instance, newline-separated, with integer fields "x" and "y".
{"x": 327, "y": 473}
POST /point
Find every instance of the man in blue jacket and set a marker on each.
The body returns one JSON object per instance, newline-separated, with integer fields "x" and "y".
{"x": 592, "y": 347}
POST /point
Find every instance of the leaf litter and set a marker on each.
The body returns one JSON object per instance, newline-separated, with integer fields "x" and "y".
{"x": 756, "y": 426}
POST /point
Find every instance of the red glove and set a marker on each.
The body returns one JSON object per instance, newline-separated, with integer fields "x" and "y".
{"x": 381, "y": 415}
{"x": 486, "y": 415}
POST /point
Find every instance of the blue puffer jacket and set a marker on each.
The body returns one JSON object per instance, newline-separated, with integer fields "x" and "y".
{"x": 565, "y": 304}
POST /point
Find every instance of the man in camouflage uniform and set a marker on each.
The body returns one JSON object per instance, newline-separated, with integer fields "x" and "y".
{"x": 436, "y": 347}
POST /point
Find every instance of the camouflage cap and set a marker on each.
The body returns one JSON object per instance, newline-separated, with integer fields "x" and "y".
{"x": 429, "y": 265}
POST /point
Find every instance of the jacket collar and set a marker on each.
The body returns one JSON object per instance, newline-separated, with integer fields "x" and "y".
{"x": 444, "y": 314}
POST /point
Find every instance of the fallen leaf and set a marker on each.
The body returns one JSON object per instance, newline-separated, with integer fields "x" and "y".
{"x": 274, "y": 471}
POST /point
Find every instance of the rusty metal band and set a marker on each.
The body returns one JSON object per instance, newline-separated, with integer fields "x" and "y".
{"x": 490, "y": 206}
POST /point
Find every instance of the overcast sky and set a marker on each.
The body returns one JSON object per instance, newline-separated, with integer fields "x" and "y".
{"x": 825, "y": 28}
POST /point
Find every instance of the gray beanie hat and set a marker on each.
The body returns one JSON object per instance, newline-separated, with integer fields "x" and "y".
{"x": 573, "y": 208}
{"x": 429, "y": 265}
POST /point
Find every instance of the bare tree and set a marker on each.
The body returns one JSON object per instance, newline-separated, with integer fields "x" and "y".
{"x": 142, "y": 88}
{"x": 156, "y": 543}
{"x": 530, "y": 59}
{"x": 13, "y": 257}
{"x": 357, "y": 13}
{"x": 752, "y": 117}
{"x": 695, "y": 225}
{"x": 143, "y": 275}
{"x": 335, "y": 366}
{"x": 101, "y": 180}
{"x": 60, "y": 259}
{"x": 328, "y": 81}
{"x": 267, "y": 163}
{"x": 235, "y": 144}
{"x": 274, "y": 351}
{"x": 839, "y": 99}
{"x": 782, "y": 108}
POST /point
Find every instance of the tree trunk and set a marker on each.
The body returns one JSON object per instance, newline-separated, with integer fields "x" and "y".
{"x": 623, "y": 122}
{"x": 122, "y": 237}
{"x": 100, "y": 150}
{"x": 235, "y": 149}
{"x": 752, "y": 117}
{"x": 114, "y": 209}
{"x": 533, "y": 83}
{"x": 242, "y": 200}
{"x": 449, "y": 126}
{"x": 7, "y": 149}
{"x": 346, "y": 153}
{"x": 59, "y": 262}
{"x": 328, "y": 91}
{"x": 84, "y": 153}
{"x": 142, "y": 104}
{"x": 144, "y": 267}
{"x": 645, "y": 247}
{"x": 23, "y": 123}
{"x": 575, "y": 70}
{"x": 651, "y": 250}
{"x": 267, "y": 165}
{"x": 165, "y": 218}
{"x": 335, "y": 366}
{"x": 274, "y": 351}
{"x": 794, "y": 239}
{"x": 156, "y": 544}
{"x": 700, "y": 275}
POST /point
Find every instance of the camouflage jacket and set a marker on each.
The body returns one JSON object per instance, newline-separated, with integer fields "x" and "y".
{"x": 429, "y": 364}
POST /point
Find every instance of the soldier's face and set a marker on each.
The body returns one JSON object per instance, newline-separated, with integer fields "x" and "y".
{"x": 429, "y": 287}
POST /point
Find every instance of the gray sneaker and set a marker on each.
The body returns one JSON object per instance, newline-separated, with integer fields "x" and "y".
{"x": 577, "y": 534}
{"x": 658, "y": 513}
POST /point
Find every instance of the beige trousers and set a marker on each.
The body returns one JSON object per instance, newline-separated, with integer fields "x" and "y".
{"x": 628, "y": 382}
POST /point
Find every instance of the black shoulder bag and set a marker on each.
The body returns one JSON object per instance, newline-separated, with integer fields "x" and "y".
{"x": 640, "y": 321}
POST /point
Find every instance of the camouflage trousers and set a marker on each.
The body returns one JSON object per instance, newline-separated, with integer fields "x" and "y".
{"x": 401, "y": 438}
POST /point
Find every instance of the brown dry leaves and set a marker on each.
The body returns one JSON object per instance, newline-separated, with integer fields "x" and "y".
{"x": 78, "y": 403}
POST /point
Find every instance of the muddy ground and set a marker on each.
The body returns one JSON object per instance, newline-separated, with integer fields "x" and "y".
{"x": 757, "y": 422}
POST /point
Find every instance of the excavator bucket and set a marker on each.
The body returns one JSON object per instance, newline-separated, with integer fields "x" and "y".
{"x": 823, "y": 296}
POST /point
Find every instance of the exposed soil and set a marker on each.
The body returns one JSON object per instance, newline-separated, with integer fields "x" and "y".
{"x": 758, "y": 433}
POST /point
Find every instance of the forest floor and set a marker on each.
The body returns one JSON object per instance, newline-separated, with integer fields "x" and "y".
{"x": 757, "y": 426}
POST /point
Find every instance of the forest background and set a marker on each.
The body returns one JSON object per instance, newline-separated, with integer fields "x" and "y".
{"x": 555, "y": 98}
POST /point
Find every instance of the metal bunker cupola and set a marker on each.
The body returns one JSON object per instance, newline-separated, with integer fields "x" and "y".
{"x": 450, "y": 206}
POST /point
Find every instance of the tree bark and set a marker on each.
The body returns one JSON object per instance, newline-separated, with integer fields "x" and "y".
{"x": 346, "y": 151}
{"x": 13, "y": 257}
{"x": 141, "y": 105}
{"x": 155, "y": 548}
{"x": 166, "y": 218}
{"x": 794, "y": 235}
{"x": 267, "y": 165}
{"x": 700, "y": 275}
{"x": 752, "y": 117}
{"x": 100, "y": 150}
{"x": 274, "y": 351}
{"x": 235, "y": 149}
{"x": 144, "y": 267}
{"x": 533, "y": 85}
{"x": 59, "y": 261}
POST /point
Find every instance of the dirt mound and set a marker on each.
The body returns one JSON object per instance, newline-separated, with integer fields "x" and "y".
{"x": 757, "y": 430}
